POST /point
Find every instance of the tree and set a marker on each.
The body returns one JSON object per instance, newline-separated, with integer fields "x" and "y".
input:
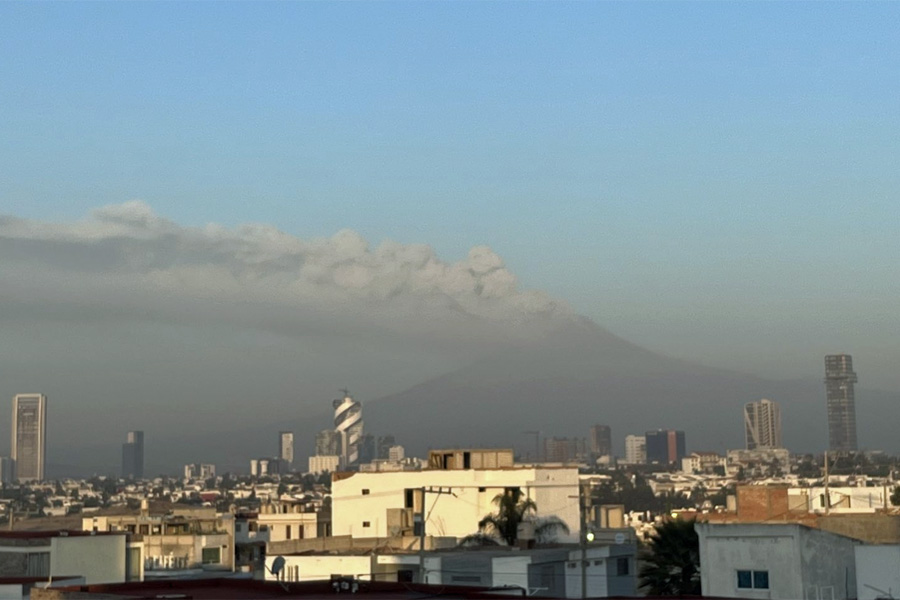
{"x": 895, "y": 497}
{"x": 513, "y": 509}
{"x": 672, "y": 560}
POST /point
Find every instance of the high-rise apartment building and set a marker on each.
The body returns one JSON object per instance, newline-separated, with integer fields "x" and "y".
{"x": 29, "y": 436}
{"x": 286, "y": 448}
{"x": 601, "y": 440}
{"x": 635, "y": 449}
{"x": 839, "y": 380}
{"x": 328, "y": 443}
{"x": 133, "y": 455}
{"x": 348, "y": 422}
{"x": 665, "y": 446}
{"x": 762, "y": 425}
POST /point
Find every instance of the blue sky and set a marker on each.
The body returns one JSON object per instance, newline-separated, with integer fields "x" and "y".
{"x": 718, "y": 180}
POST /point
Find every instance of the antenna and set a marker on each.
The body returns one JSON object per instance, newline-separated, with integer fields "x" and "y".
{"x": 345, "y": 392}
{"x": 276, "y": 570}
{"x": 277, "y": 566}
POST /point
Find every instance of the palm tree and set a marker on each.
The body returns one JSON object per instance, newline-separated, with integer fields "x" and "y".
{"x": 672, "y": 560}
{"x": 502, "y": 527}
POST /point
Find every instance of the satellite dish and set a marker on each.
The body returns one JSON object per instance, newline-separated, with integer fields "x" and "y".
{"x": 277, "y": 565}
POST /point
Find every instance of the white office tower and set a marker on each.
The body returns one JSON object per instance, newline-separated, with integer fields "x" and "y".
{"x": 29, "y": 436}
{"x": 762, "y": 425}
{"x": 635, "y": 449}
{"x": 349, "y": 424}
{"x": 286, "y": 447}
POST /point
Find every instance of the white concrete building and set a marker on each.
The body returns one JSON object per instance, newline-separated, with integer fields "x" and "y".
{"x": 385, "y": 504}
{"x": 554, "y": 572}
{"x": 778, "y": 561}
{"x": 98, "y": 558}
{"x": 325, "y": 463}
{"x": 635, "y": 449}
{"x": 285, "y": 520}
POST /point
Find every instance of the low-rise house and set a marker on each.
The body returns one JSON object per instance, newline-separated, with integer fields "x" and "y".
{"x": 786, "y": 561}
{"x": 181, "y": 539}
{"x": 94, "y": 557}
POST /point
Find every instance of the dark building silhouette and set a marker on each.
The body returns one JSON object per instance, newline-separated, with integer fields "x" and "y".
{"x": 133, "y": 455}
{"x": 665, "y": 446}
{"x": 601, "y": 440}
{"x": 839, "y": 380}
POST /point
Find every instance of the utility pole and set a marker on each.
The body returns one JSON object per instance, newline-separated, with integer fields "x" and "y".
{"x": 584, "y": 540}
{"x": 422, "y": 516}
{"x": 422, "y": 535}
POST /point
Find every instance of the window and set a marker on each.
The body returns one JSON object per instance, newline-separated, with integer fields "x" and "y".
{"x": 622, "y": 567}
{"x": 753, "y": 580}
{"x": 287, "y": 532}
{"x": 238, "y": 527}
{"x": 211, "y": 556}
{"x": 481, "y": 489}
{"x": 365, "y": 492}
{"x": 408, "y": 499}
{"x": 366, "y": 523}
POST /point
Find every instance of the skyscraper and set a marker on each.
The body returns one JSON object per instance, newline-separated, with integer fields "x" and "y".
{"x": 133, "y": 455}
{"x": 29, "y": 436}
{"x": 348, "y": 422}
{"x": 286, "y": 447}
{"x": 762, "y": 425}
{"x": 601, "y": 440}
{"x": 328, "y": 443}
{"x": 839, "y": 380}
{"x": 635, "y": 449}
{"x": 665, "y": 446}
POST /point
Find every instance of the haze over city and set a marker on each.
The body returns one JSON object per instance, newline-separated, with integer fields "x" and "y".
{"x": 212, "y": 222}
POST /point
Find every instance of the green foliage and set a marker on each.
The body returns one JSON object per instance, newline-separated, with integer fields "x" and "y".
{"x": 513, "y": 508}
{"x": 671, "y": 561}
{"x": 635, "y": 493}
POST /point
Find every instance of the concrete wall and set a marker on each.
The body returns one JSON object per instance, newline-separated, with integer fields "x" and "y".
{"x": 872, "y": 529}
{"x": 315, "y": 568}
{"x": 877, "y": 572}
{"x": 801, "y": 562}
{"x": 364, "y": 498}
{"x": 97, "y": 558}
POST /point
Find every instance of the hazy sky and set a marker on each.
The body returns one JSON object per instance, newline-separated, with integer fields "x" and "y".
{"x": 718, "y": 181}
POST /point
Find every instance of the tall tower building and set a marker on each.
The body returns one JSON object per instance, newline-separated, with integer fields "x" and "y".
{"x": 601, "y": 440}
{"x": 665, "y": 446}
{"x": 133, "y": 455}
{"x": 762, "y": 425}
{"x": 839, "y": 380}
{"x": 29, "y": 436}
{"x": 348, "y": 422}
{"x": 286, "y": 447}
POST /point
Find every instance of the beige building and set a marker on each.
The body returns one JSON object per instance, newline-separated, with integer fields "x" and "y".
{"x": 762, "y": 425}
{"x": 191, "y": 538}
